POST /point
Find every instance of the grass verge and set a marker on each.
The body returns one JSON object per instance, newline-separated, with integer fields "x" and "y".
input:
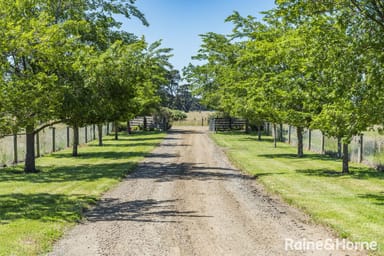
{"x": 352, "y": 204}
{"x": 35, "y": 209}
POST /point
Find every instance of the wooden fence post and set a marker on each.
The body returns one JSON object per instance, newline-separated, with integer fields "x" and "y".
{"x": 15, "y": 157}
{"x": 53, "y": 139}
{"x": 281, "y": 134}
{"x": 86, "y": 134}
{"x": 322, "y": 143}
{"x": 361, "y": 148}
{"x": 94, "y": 132}
{"x": 309, "y": 139}
{"x": 37, "y": 144}
{"x": 339, "y": 153}
{"x": 68, "y": 139}
{"x": 289, "y": 134}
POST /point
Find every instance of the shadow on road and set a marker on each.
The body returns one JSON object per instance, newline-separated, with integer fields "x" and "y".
{"x": 167, "y": 172}
{"x": 185, "y": 131}
{"x": 150, "y": 210}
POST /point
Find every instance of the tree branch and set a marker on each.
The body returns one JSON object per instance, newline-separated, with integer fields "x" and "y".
{"x": 47, "y": 125}
{"x": 367, "y": 14}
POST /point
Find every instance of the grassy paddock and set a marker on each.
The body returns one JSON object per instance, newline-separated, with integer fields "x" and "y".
{"x": 194, "y": 118}
{"x": 35, "y": 209}
{"x": 352, "y": 205}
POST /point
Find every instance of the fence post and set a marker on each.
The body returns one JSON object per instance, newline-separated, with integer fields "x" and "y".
{"x": 68, "y": 144}
{"x": 86, "y": 133}
{"x": 15, "y": 158}
{"x": 322, "y": 143}
{"x": 37, "y": 144}
{"x": 94, "y": 132}
{"x": 339, "y": 153}
{"x": 309, "y": 139}
{"x": 53, "y": 139}
{"x": 281, "y": 135}
{"x": 360, "y": 151}
{"x": 289, "y": 134}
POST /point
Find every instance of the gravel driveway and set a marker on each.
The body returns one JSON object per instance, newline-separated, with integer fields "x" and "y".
{"x": 187, "y": 199}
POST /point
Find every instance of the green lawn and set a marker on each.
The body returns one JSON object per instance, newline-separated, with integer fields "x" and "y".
{"x": 353, "y": 205}
{"x": 35, "y": 209}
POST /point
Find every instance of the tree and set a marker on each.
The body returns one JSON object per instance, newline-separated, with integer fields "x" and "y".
{"x": 167, "y": 91}
{"x": 205, "y": 79}
{"x": 33, "y": 44}
{"x": 84, "y": 102}
{"x": 78, "y": 97}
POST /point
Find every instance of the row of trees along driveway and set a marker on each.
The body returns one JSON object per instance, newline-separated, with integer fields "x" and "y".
{"x": 69, "y": 61}
{"x": 313, "y": 64}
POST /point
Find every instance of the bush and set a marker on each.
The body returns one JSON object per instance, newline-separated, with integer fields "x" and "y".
{"x": 177, "y": 115}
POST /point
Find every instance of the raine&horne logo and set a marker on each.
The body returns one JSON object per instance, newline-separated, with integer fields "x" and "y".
{"x": 328, "y": 245}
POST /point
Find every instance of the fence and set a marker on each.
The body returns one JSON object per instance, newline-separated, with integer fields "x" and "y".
{"x": 48, "y": 140}
{"x": 226, "y": 124}
{"x": 366, "y": 148}
{"x": 142, "y": 121}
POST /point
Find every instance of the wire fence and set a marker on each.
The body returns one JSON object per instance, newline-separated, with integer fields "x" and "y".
{"x": 366, "y": 148}
{"x": 47, "y": 141}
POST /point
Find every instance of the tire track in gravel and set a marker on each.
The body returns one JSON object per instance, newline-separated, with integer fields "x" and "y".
{"x": 187, "y": 199}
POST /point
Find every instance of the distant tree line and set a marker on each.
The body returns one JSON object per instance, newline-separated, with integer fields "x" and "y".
{"x": 179, "y": 96}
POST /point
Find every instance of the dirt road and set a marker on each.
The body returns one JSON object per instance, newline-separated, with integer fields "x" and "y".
{"x": 187, "y": 199}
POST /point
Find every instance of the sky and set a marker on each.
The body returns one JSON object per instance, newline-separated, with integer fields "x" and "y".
{"x": 180, "y": 22}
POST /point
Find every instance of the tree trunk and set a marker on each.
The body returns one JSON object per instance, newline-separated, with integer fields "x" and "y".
{"x": 30, "y": 163}
{"x": 75, "y": 140}
{"x": 100, "y": 134}
{"x": 300, "y": 144}
{"x": 274, "y": 135}
{"x": 259, "y": 132}
{"x": 345, "y": 158}
{"x": 116, "y": 130}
